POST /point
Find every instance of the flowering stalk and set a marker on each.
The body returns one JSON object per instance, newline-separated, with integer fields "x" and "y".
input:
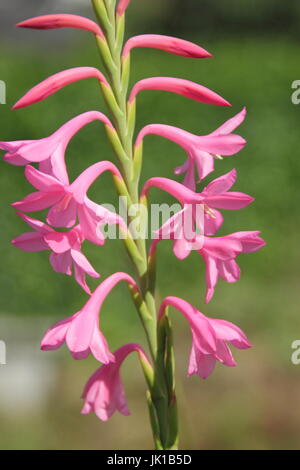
{"x": 70, "y": 208}
{"x": 161, "y": 399}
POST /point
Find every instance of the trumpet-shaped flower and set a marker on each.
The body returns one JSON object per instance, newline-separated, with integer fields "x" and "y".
{"x": 104, "y": 392}
{"x": 202, "y": 150}
{"x": 65, "y": 249}
{"x": 186, "y": 88}
{"x": 62, "y": 20}
{"x": 52, "y": 84}
{"x": 219, "y": 256}
{"x": 210, "y": 337}
{"x": 50, "y": 151}
{"x": 81, "y": 331}
{"x": 218, "y": 253}
{"x": 166, "y": 43}
{"x": 214, "y": 196}
{"x": 69, "y": 202}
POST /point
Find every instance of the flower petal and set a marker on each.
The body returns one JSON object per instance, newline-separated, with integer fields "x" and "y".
{"x": 42, "y": 181}
{"x": 37, "y": 201}
{"x": 31, "y": 242}
{"x": 231, "y": 124}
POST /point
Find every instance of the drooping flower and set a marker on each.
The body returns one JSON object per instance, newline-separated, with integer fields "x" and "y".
{"x": 219, "y": 256}
{"x": 104, "y": 392}
{"x": 199, "y": 209}
{"x": 202, "y": 150}
{"x": 62, "y": 20}
{"x": 215, "y": 196}
{"x": 81, "y": 331}
{"x": 52, "y": 84}
{"x": 209, "y": 338}
{"x": 166, "y": 43}
{"x": 69, "y": 202}
{"x": 50, "y": 151}
{"x": 218, "y": 253}
{"x": 186, "y": 88}
{"x": 65, "y": 249}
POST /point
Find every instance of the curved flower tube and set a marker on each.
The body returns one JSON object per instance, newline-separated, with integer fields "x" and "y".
{"x": 215, "y": 195}
{"x": 186, "y": 88}
{"x": 166, "y": 43}
{"x": 210, "y": 338}
{"x": 62, "y": 20}
{"x": 50, "y": 151}
{"x": 65, "y": 249}
{"x": 68, "y": 202}
{"x": 81, "y": 331}
{"x": 202, "y": 150}
{"x": 52, "y": 84}
{"x": 104, "y": 392}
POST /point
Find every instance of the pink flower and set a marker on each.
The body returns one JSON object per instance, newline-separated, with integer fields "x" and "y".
{"x": 81, "y": 331}
{"x": 68, "y": 202}
{"x": 65, "y": 247}
{"x": 201, "y": 150}
{"x": 62, "y": 21}
{"x": 218, "y": 253}
{"x": 54, "y": 83}
{"x": 186, "y": 88}
{"x": 219, "y": 256}
{"x": 210, "y": 338}
{"x": 50, "y": 151}
{"x": 199, "y": 208}
{"x": 104, "y": 392}
{"x": 204, "y": 206}
{"x": 166, "y": 43}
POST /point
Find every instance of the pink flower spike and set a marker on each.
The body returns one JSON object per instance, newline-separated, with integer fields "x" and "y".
{"x": 49, "y": 152}
{"x": 104, "y": 392}
{"x": 166, "y": 43}
{"x": 186, "y": 88}
{"x": 65, "y": 249}
{"x": 201, "y": 150}
{"x": 210, "y": 337}
{"x": 81, "y": 331}
{"x": 54, "y": 83}
{"x": 62, "y": 21}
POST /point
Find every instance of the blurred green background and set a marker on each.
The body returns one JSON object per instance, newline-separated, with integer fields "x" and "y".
{"x": 256, "y": 58}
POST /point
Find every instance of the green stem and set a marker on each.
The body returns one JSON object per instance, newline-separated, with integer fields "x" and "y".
{"x": 161, "y": 396}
